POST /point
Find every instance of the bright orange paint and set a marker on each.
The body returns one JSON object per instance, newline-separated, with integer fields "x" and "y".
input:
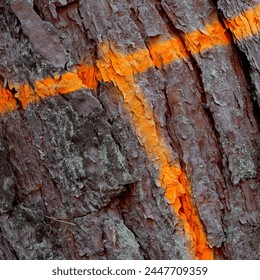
{"x": 87, "y": 74}
{"x": 158, "y": 53}
{"x": 69, "y": 82}
{"x": 46, "y": 87}
{"x": 171, "y": 177}
{"x": 120, "y": 69}
{"x": 178, "y": 193}
{"x": 8, "y": 102}
{"x": 245, "y": 24}
{"x": 212, "y": 35}
{"x": 26, "y": 95}
{"x": 166, "y": 51}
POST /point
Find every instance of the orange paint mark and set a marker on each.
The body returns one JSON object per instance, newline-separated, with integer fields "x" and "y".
{"x": 245, "y": 24}
{"x": 7, "y": 101}
{"x": 46, "y": 87}
{"x": 128, "y": 64}
{"x": 212, "y": 35}
{"x": 178, "y": 193}
{"x": 87, "y": 74}
{"x": 120, "y": 69}
{"x": 26, "y": 95}
{"x": 164, "y": 52}
{"x": 36, "y": 189}
{"x": 159, "y": 53}
{"x": 171, "y": 178}
{"x": 134, "y": 100}
{"x": 137, "y": 62}
{"x": 69, "y": 82}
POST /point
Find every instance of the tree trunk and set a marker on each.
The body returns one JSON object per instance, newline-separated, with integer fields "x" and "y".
{"x": 129, "y": 129}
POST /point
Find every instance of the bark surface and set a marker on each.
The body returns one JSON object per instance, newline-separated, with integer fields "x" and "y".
{"x": 77, "y": 180}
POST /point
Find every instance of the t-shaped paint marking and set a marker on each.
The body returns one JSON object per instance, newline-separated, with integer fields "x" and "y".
{"x": 120, "y": 69}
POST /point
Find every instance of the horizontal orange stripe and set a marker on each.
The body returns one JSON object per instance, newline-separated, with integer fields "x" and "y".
{"x": 159, "y": 52}
{"x": 120, "y": 69}
{"x": 245, "y": 24}
{"x": 211, "y": 36}
{"x": 164, "y": 52}
{"x": 83, "y": 77}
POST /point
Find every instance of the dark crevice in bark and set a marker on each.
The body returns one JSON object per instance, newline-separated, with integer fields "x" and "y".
{"x": 219, "y": 254}
{"x": 37, "y": 11}
{"x": 223, "y": 162}
{"x": 247, "y": 68}
{"x": 68, "y": 5}
{"x": 142, "y": 251}
{"x": 94, "y": 46}
{"x": 6, "y": 243}
{"x": 121, "y": 202}
{"x": 134, "y": 16}
{"x": 100, "y": 86}
{"x": 118, "y": 144}
{"x": 175, "y": 144}
{"x": 19, "y": 195}
{"x": 105, "y": 250}
{"x": 198, "y": 73}
{"x": 13, "y": 25}
{"x": 118, "y": 202}
{"x": 16, "y": 201}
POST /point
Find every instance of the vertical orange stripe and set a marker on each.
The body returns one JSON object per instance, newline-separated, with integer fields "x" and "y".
{"x": 120, "y": 69}
{"x": 160, "y": 51}
{"x": 171, "y": 177}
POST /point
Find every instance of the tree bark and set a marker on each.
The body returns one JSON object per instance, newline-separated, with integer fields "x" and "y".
{"x": 80, "y": 176}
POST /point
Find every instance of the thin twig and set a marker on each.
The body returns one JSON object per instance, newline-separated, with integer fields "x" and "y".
{"x": 61, "y": 221}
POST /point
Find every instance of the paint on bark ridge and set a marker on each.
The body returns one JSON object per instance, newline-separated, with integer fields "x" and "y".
{"x": 7, "y": 101}
{"x": 120, "y": 70}
{"x": 245, "y": 24}
{"x": 83, "y": 77}
{"x": 162, "y": 51}
{"x": 117, "y": 69}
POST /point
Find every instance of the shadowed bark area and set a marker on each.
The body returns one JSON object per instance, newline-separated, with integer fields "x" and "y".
{"x": 80, "y": 176}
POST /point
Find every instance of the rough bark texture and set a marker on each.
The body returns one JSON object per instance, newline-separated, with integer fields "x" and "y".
{"x": 75, "y": 181}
